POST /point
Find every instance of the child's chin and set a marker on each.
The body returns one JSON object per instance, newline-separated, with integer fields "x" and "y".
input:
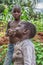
{"x": 18, "y": 35}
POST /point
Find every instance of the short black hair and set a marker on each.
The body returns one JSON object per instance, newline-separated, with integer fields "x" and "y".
{"x": 16, "y": 7}
{"x": 30, "y": 27}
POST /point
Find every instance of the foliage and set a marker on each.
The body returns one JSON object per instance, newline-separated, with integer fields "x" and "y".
{"x": 27, "y": 15}
{"x": 8, "y": 2}
{"x": 1, "y": 1}
{"x": 3, "y": 50}
{"x": 2, "y": 7}
{"x": 39, "y": 25}
{"x": 39, "y": 53}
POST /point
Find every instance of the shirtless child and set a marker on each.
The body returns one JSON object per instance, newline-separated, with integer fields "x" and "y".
{"x": 16, "y": 12}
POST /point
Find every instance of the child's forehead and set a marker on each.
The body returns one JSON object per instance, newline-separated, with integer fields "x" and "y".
{"x": 16, "y": 10}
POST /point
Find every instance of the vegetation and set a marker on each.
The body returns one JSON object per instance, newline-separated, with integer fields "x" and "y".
{"x": 27, "y": 15}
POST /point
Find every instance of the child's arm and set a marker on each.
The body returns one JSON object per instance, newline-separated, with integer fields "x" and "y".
{"x": 8, "y": 26}
{"x": 28, "y": 55}
{"x": 9, "y": 31}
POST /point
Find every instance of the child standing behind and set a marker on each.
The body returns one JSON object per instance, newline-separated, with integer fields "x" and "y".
{"x": 16, "y": 12}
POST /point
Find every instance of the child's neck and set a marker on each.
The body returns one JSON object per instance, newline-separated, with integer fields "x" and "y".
{"x": 17, "y": 20}
{"x": 24, "y": 37}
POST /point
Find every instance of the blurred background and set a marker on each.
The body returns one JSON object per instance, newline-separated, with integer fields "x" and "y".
{"x": 32, "y": 11}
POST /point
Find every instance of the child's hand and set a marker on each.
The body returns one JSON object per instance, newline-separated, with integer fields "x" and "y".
{"x": 10, "y": 32}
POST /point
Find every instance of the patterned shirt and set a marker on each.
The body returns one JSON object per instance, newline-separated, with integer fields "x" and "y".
{"x": 24, "y": 53}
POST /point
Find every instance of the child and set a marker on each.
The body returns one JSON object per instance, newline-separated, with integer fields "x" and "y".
{"x": 16, "y": 12}
{"x": 24, "y": 49}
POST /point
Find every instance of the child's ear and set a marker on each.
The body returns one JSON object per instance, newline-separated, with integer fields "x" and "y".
{"x": 26, "y": 31}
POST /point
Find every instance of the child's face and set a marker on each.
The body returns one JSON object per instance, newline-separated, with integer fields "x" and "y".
{"x": 17, "y": 13}
{"x": 20, "y": 29}
{"x": 21, "y": 32}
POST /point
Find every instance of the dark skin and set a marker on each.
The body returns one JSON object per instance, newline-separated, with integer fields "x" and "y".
{"x": 21, "y": 33}
{"x": 16, "y": 14}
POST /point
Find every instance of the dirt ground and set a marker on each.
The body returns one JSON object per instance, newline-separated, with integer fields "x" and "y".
{"x": 39, "y": 37}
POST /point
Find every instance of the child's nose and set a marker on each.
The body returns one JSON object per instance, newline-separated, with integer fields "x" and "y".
{"x": 16, "y": 30}
{"x": 16, "y": 13}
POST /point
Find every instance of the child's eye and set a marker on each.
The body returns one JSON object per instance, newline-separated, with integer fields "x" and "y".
{"x": 14, "y": 11}
{"x": 18, "y": 11}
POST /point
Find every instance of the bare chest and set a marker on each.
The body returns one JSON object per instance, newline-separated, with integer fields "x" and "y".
{"x": 13, "y": 25}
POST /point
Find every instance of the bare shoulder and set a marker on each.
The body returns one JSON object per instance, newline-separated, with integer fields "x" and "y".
{"x": 10, "y": 23}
